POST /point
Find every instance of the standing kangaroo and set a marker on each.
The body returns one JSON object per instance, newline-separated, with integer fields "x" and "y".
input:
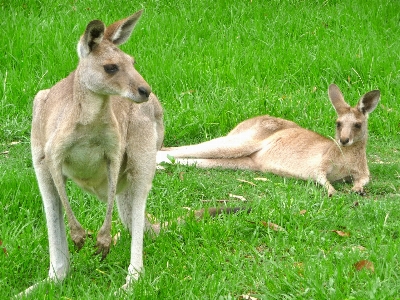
{"x": 282, "y": 147}
{"x": 90, "y": 128}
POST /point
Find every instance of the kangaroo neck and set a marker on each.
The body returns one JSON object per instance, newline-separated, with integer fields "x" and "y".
{"x": 89, "y": 106}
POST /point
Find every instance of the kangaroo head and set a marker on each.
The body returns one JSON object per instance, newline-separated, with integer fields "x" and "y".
{"x": 106, "y": 70}
{"x": 351, "y": 124}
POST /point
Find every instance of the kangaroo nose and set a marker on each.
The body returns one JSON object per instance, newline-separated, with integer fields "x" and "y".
{"x": 344, "y": 141}
{"x": 144, "y": 92}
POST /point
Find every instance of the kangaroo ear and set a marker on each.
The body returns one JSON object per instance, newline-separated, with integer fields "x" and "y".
{"x": 368, "y": 102}
{"x": 120, "y": 31}
{"x": 337, "y": 99}
{"x": 91, "y": 38}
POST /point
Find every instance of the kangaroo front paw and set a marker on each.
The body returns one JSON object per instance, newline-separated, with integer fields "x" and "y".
{"x": 103, "y": 245}
{"x": 331, "y": 191}
{"x": 358, "y": 190}
{"x": 78, "y": 236}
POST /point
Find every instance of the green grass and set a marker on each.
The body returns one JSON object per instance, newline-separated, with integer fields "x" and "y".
{"x": 214, "y": 64}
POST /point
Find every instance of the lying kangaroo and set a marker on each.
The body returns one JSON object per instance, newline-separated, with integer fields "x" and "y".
{"x": 90, "y": 128}
{"x": 282, "y": 147}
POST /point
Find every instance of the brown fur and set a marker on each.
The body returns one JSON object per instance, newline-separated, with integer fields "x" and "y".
{"x": 101, "y": 128}
{"x": 275, "y": 145}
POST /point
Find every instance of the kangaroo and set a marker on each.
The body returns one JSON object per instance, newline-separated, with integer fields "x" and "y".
{"x": 100, "y": 127}
{"x": 282, "y": 147}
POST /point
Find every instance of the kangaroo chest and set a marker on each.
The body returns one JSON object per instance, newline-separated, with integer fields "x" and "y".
{"x": 88, "y": 154}
{"x": 347, "y": 164}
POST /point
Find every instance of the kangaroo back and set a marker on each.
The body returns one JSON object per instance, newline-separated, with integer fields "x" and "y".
{"x": 243, "y": 140}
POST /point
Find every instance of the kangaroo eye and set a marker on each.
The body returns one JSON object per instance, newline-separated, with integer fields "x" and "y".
{"x": 357, "y": 125}
{"x": 111, "y": 69}
{"x": 338, "y": 124}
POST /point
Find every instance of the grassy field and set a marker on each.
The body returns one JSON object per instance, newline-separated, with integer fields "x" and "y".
{"x": 213, "y": 64}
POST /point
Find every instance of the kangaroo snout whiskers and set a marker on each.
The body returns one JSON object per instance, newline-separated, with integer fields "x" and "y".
{"x": 279, "y": 146}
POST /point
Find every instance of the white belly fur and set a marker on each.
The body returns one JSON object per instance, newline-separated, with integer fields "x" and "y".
{"x": 86, "y": 165}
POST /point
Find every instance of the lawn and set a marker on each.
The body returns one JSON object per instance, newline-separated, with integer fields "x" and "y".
{"x": 213, "y": 64}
